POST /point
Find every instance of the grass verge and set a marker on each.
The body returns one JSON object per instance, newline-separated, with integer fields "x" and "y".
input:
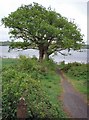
{"x": 78, "y": 76}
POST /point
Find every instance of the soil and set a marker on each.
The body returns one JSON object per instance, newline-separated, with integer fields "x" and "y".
{"x": 73, "y": 102}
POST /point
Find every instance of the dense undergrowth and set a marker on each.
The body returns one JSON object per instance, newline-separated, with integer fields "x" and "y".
{"x": 36, "y": 82}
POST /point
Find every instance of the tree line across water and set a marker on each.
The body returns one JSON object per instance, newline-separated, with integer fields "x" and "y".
{"x": 8, "y": 43}
{"x": 4, "y": 43}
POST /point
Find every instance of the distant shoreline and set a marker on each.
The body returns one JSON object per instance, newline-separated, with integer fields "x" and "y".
{"x": 7, "y": 43}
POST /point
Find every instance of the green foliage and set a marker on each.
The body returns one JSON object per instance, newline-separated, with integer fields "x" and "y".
{"x": 77, "y": 70}
{"x": 42, "y": 28}
{"x": 27, "y": 78}
{"x": 78, "y": 74}
{"x": 23, "y": 45}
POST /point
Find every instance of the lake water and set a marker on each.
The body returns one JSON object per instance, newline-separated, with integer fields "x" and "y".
{"x": 75, "y": 56}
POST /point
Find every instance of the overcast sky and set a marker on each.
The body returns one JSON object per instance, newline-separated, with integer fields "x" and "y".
{"x": 72, "y": 9}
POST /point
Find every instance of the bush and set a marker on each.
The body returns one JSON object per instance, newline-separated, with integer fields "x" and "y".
{"x": 24, "y": 80}
{"x": 76, "y": 70}
{"x": 23, "y": 85}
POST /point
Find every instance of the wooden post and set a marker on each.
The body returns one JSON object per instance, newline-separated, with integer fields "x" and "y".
{"x": 22, "y": 109}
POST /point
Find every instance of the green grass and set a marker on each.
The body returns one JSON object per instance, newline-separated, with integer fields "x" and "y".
{"x": 78, "y": 76}
{"x": 80, "y": 86}
{"x": 9, "y": 61}
{"x": 52, "y": 87}
{"x": 39, "y": 80}
{"x": 50, "y": 82}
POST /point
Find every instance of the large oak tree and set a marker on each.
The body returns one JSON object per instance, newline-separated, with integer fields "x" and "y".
{"x": 43, "y": 29}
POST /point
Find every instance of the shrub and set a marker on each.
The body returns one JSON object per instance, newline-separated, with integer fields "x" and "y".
{"x": 18, "y": 81}
{"x": 23, "y": 85}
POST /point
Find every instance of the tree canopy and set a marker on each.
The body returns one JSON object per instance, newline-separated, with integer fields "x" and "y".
{"x": 43, "y": 29}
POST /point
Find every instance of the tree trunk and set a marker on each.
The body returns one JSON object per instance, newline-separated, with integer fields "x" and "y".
{"x": 41, "y": 53}
{"x": 46, "y": 55}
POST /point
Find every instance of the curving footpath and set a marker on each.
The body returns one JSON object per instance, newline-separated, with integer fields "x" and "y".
{"x": 73, "y": 101}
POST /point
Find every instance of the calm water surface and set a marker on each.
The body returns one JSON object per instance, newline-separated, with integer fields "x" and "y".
{"x": 74, "y": 56}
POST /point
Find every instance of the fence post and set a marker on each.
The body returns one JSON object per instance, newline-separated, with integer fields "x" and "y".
{"x": 22, "y": 109}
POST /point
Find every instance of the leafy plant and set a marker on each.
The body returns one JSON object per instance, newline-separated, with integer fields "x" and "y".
{"x": 27, "y": 79}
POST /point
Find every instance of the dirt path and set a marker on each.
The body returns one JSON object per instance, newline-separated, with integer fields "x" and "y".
{"x": 73, "y": 101}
